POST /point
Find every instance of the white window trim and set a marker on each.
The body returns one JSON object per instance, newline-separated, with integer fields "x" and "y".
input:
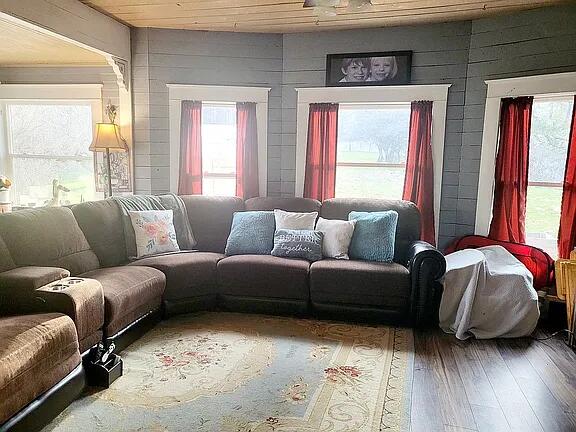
{"x": 181, "y": 92}
{"x": 51, "y": 91}
{"x": 438, "y": 94}
{"x": 552, "y": 85}
{"x": 43, "y": 94}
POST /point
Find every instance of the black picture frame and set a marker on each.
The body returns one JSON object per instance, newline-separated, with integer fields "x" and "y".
{"x": 400, "y": 68}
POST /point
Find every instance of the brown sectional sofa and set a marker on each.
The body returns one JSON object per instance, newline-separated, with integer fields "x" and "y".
{"x": 39, "y": 246}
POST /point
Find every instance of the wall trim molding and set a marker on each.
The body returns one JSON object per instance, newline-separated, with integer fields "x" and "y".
{"x": 51, "y": 91}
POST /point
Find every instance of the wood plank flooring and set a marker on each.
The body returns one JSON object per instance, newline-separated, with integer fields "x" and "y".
{"x": 497, "y": 385}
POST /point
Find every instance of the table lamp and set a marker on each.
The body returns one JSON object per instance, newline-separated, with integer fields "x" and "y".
{"x": 107, "y": 139}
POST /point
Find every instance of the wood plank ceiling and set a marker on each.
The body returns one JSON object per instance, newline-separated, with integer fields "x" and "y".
{"x": 286, "y": 16}
{"x": 21, "y": 45}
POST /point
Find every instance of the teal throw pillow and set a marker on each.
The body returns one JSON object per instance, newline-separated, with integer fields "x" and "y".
{"x": 374, "y": 235}
{"x": 252, "y": 233}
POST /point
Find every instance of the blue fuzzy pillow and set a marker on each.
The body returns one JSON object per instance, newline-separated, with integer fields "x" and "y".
{"x": 374, "y": 235}
{"x": 305, "y": 244}
{"x": 252, "y": 233}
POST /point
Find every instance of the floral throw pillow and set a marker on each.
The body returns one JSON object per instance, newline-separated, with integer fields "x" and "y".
{"x": 154, "y": 232}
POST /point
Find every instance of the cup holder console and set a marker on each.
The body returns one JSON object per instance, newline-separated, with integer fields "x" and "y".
{"x": 72, "y": 281}
{"x": 63, "y": 284}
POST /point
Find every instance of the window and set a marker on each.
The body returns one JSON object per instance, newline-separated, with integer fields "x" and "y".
{"x": 371, "y": 151}
{"x": 380, "y": 104}
{"x": 218, "y": 134}
{"x": 549, "y": 134}
{"x": 219, "y": 149}
{"x": 47, "y": 145}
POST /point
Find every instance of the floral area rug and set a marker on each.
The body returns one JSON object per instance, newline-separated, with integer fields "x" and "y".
{"x": 226, "y": 372}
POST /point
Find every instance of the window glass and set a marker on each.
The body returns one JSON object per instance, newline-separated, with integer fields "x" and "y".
{"x": 48, "y": 145}
{"x": 371, "y": 152}
{"x": 219, "y": 149}
{"x": 550, "y": 130}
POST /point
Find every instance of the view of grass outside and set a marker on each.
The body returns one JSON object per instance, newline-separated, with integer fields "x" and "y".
{"x": 371, "y": 152}
{"x": 550, "y": 132}
{"x": 543, "y": 217}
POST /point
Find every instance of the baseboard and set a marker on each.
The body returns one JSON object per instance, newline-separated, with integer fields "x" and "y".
{"x": 46, "y": 407}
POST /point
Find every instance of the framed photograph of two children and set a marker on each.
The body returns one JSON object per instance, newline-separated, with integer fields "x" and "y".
{"x": 363, "y": 69}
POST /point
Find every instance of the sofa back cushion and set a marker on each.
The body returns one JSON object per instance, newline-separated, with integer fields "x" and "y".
{"x": 211, "y": 219}
{"x": 101, "y": 222}
{"x": 49, "y": 237}
{"x": 6, "y": 261}
{"x": 407, "y": 229}
{"x": 286, "y": 204}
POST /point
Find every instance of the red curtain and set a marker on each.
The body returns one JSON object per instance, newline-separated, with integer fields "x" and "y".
{"x": 419, "y": 179}
{"x": 246, "y": 151}
{"x": 511, "y": 175}
{"x": 320, "y": 176}
{"x": 567, "y": 232}
{"x": 190, "y": 178}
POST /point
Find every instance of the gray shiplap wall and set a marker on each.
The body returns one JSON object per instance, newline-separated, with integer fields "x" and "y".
{"x": 463, "y": 54}
{"x": 163, "y": 57}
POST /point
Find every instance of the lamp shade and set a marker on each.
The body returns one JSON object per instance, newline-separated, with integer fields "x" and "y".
{"x": 107, "y": 136}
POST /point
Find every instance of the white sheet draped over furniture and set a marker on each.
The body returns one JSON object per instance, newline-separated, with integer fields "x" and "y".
{"x": 488, "y": 293}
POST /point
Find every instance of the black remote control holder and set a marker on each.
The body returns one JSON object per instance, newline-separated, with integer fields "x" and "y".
{"x": 104, "y": 374}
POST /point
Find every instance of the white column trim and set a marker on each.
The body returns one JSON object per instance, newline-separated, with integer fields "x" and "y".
{"x": 561, "y": 84}
{"x": 438, "y": 94}
{"x": 180, "y": 92}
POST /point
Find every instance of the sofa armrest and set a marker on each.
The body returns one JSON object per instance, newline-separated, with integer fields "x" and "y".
{"x": 29, "y": 290}
{"x": 83, "y": 302}
{"x": 427, "y": 266}
{"x": 24, "y": 280}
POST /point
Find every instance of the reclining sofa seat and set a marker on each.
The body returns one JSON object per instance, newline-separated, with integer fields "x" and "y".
{"x": 191, "y": 275}
{"x": 47, "y": 244}
{"x": 373, "y": 290}
{"x": 39, "y": 360}
{"x": 265, "y": 283}
{"x": 133, "y": 296}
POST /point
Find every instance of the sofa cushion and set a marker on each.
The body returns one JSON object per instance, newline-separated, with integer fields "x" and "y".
{"x": 359, "y": 283}
{"x": 129, "y": 293}
{"x": 286, "y": 204}
{"x": 6, "y": 261}
{"x": 211, "y": 219}
{"x": 37, "y": 352}
{"x": 188, "y": 274}
{"x": 263, "y": 276}
{"x": 48, "y": 237}
{"x": 101, "y": 222}
{"x": 407, "y": 230}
